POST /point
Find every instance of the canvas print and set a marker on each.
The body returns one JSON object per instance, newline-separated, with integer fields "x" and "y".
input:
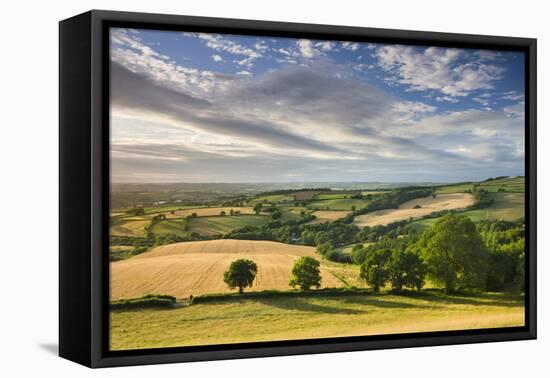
{"x": 272, "y": 189}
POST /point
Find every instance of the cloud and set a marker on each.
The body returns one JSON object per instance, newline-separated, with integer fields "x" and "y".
{"x": 307, "y": 48}
{"x": 438, "y": 69}
{"x": 512, "y": 96}
{"x": 220, "y": 43}
{"x": 217, "y": 58}
{"x": 353, "y": 46}
{"x": 313, "y": 123}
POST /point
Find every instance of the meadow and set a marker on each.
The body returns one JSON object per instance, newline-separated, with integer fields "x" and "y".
{"x": 237, "y": 320}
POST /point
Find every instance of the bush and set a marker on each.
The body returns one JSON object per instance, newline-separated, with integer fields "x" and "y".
{"x": 147, "y": 301}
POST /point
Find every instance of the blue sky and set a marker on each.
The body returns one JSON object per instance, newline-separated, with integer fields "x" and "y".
{"x": 190, "y": 107}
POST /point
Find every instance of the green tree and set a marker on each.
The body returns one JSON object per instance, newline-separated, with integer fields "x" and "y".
{"x": 406, "y": 270}
{"x": 241, "y": 274}
{"x": 306, "y": 273}
{"x": 258, "y": 208}
{"x": 374, "y": 269}
{"x": 454, "y": 253}
{"x": 325, "y": 249}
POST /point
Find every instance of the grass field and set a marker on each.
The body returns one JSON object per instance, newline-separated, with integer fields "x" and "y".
{"x": 510, "y": 184}
{"x": 223, "y": 225}
{"x": 196, "y": 268}
{"x": 238, "y": 320}
{"x": 213, "y": 225}
{"x": 506, "y": 206}
{"x": 328, "y": 216}
{"x": 274, "y": 199}
{"x": 338, "y": 204}
{"x": 407, "y": 210}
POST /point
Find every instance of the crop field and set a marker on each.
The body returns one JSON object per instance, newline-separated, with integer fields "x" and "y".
{"x": 407, "y": 210}
{"x": 130, "y": 228}
{"x": 196, "y": 268}
{"x": 328, "y": 216}
{"x": 338, "y": 204}
{"x": 212, "y": 211}
{"x": 506, "y": 206}
{"x": 327, "y": 196}
{"x": 238, "y": 320}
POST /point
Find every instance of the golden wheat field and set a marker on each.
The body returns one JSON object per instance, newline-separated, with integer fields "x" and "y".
{"x": 196, "y": 268}
{"x": 427, "y": 205}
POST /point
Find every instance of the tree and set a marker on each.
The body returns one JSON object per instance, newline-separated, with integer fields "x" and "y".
{"x": 454, "y": 253}
{"x": 325, "y": 249}
{"x": 306, "y": 273}
{"x": 222, "y": 213}
{"x": 374, "y": 269}
{"x": 258, "y": 208}
{"x": 241, "y": 274}
{"x": 231, "y": 212}
{"x": 406, "y": 270}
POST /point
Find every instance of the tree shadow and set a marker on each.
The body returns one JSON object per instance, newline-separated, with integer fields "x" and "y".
{"x": 368, "y": 300}
{"x": 301, "y": 305}
{"x": 481, "y": 299}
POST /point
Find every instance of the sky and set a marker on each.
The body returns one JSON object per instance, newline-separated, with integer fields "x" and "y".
{"x": 193, "y": 107}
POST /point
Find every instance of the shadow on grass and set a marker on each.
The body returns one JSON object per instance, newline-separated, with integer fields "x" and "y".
{"x": 476, "y": 299}
{"x": 302, "y": 305}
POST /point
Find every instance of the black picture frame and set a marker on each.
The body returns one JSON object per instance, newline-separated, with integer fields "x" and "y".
{"x": 84, "y": 188}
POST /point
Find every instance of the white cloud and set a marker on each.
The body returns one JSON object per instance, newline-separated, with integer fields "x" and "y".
{"x": 512, "y": 96}
{"x": 325, "y": 45}
{"x": 450, "y": 99}
{"x": 353, "y": 46}
{"x": 244, "y": 73}
{"x": 437, "y": 69}
{"x": 219, "y": 43}
{"x": 307, "y": 48}
{"x": 217, "y": 58}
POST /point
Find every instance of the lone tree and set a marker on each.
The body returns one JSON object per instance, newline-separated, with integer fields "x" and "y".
{"x": 374, "y": 269}
{"x": 241, "y": 274}
{"x": 454, "y": 253}
{"x": 306, "y": 273}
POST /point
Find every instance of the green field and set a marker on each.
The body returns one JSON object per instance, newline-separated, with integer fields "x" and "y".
{"x": 223, "y": 225}
{"x": 273, "y": 199}
{"x": 338, "y": 204}
{"x": 510, "y": 185}
{"x": 208, "y": 225}
{"x": 237, "y": 320}
{"x": 506, "y": 206}
{"x": 328, "y": 196}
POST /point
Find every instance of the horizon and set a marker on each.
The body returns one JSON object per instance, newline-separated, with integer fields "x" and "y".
{"x": 217, "y": 108}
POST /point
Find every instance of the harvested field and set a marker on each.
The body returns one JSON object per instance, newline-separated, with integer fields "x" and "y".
{"x": 328, "y": 216}
{"x": 181, "y": 269}
{"x": 427, "y": 205}
{"x": 130, "y": 228}
{"x": 211, "y": 211}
